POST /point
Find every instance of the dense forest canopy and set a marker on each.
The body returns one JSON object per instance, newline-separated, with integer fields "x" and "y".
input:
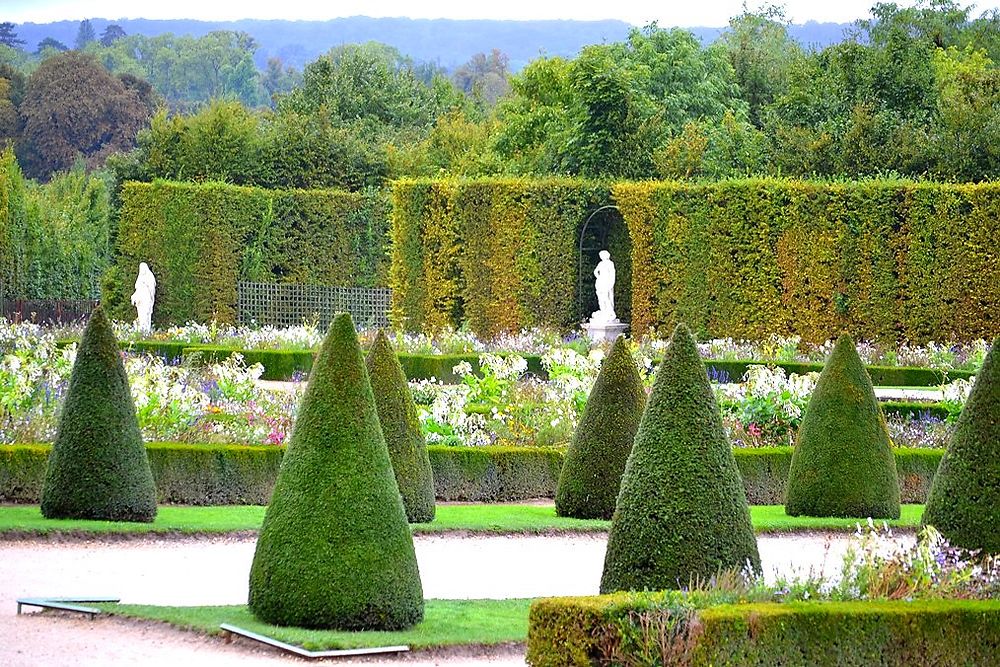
{"x": 447, "y": 42}
{"x": 911, "y": 92}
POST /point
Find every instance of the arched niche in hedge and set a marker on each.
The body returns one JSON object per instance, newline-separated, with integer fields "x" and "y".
{"x": 604, "y": 229}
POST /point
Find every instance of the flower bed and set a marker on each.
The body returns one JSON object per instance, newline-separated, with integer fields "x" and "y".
{"x": 191, "y": 390}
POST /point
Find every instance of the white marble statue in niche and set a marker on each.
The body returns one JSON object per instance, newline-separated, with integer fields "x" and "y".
{"x": 605, "y": 287}
{"x": 143, "y": 298}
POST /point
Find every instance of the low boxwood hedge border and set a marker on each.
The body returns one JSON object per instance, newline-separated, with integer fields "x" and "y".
{"x": 882, "y": 376}
{"x": 283, "y": 364}
{"x": 915, "y": 409}
{"x": 211, "y": 474}
{"x": 654, "y": 628}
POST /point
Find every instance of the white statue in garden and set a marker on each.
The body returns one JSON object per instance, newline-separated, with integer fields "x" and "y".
{"x": 143, "y": 297}
{"x": 605, "y": 287}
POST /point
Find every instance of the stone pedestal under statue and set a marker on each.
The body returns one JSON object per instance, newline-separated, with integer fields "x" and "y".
{"x": 604, "y": 331}
{"x": 604, "y": 325}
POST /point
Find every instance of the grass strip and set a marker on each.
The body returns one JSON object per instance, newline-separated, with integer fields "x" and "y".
{"x": 447, "y": 623}
{"x": 487, "y": 519}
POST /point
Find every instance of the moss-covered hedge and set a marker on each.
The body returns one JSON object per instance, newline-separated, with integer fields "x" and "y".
{"x": 964, "y": 503}
{"x": 644, "y": 629}
{"x": 203, "y": 474}
{"x": 843, "y": 464}
{"x": 334, "y": 550}
{"x": 200, "y": 239}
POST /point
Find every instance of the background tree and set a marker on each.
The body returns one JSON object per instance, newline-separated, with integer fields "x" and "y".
{"x": 50, "y": 44}
{"x": 968, "y": 101}
{"x": 486, "y": 77}
{"x": 761, "y": 53}
{"x": 365, "y": 82}
{"x": 8, "y": 35}
{"x": 84, "y": 35}
{"x": 72, "y": 108}
{"x": 112, "y": 33}
{"x": 278, "y": 79}
{"x": 12, "y": 84}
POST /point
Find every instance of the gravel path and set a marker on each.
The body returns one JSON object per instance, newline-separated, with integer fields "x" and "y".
{"x": 215, "y": 571}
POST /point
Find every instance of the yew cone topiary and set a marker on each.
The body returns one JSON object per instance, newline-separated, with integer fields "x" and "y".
{"x": 335, "y": 550}
{"x": 98, "y": 468}
{"x": 397, "y": 415}
{"x": 843, "y": 463}
{"x": 682, "y": 512}
{"x": 964, "y": 503}
{"x": 592, "y": 472}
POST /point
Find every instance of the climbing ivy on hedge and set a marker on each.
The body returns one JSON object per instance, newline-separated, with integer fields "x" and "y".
{"x": 964, "y": 502}
{"x": 500, "y": 254}
{"x": 335, "y": 550}
{"x": 890, "y": 260}
{"x": 201, "y": 239}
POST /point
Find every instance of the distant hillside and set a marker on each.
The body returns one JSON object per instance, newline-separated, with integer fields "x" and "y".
{"x": 446, "y": 42}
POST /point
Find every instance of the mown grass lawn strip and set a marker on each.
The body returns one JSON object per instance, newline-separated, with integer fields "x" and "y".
{"x": 447, "y": 623}
{"x": 486, "y": 519}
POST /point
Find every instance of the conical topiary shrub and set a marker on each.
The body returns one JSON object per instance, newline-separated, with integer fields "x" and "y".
{"x": 98, "y": 468}
{"x": 964, "y": 503}
{"x": 843, "y": 463}
{"x": 335, "y": 550}
{"x": 592, "y": 471}
{"x": 682, "y": 511}
{"x": 401, "y": 428}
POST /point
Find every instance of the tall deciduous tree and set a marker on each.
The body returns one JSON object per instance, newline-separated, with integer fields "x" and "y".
{"x": 365, "y": 81}
{"x": 72, "y": 108}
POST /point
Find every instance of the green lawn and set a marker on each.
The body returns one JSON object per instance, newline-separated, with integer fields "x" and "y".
{"x": 481, "y": 519}
{"x": 446, "y": 623}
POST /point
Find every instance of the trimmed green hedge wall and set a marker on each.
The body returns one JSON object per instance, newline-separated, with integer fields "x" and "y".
{"x": 203, "y": 474}
{"x": 654, "y": 628}
{"x": 495, "y": 474}
{"x": 200, "y": 239}
{"x": 501, "y": 254}
{"x": 886, "y": 260}
{"x": 213, "y": 474}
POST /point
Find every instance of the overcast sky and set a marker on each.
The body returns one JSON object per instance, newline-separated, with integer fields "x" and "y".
{"x": 711, "y": 13}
